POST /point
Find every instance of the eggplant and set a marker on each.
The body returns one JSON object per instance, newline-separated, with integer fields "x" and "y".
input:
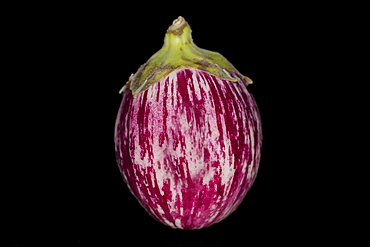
{"x": 188, "y": 134}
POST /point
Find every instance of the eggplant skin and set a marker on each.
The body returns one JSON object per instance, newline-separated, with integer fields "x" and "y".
{"x": 189, "y": 147}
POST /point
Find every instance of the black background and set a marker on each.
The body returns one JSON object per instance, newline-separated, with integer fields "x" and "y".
{"x": 72, "y": 61}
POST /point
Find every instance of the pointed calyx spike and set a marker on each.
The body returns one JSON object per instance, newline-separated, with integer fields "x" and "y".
{"x": 179, "y": 51}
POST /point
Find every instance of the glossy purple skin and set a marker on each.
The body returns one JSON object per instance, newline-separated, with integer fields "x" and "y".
{"x": 189, "y": 147}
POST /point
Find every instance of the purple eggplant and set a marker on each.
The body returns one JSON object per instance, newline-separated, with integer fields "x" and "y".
{"x": 188, "y": 134}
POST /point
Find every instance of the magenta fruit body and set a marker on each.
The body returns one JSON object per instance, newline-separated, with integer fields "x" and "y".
{"x": 189, "y": 147}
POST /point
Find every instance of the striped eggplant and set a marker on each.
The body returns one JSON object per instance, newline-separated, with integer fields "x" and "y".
{"x": 188, "y": 134}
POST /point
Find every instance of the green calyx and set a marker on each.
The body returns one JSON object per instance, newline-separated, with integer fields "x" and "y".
{"x": 179, "y": 51}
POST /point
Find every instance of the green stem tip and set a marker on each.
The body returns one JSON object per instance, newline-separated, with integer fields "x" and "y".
{"x": 179, "y": 51}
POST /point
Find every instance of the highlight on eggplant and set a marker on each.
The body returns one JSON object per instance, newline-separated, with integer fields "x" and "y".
{"x": 188, "y": 134}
